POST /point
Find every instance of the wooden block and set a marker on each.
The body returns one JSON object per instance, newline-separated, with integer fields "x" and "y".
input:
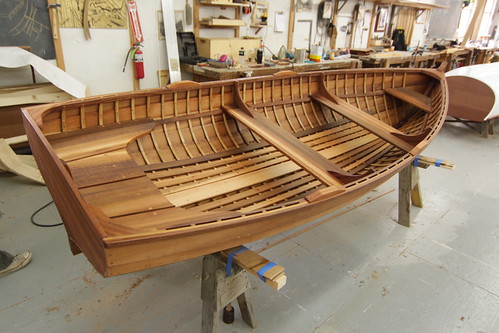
{"x": 9, "y": 161}
{"x": 252, "y": 262}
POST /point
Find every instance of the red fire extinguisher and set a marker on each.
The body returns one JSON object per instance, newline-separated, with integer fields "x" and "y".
{"x": 138, "y": 63}
{"x": 137, "y": 56}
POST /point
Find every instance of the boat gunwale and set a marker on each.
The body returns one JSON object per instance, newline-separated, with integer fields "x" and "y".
{"x": 41, "y": 111}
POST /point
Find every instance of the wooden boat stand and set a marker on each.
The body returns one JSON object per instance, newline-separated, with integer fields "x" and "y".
{"x": 409, "y": 189}
{"x": 486, "y": 127}
{"x": 219, "y": 289}
{"x": 225, "y": 278}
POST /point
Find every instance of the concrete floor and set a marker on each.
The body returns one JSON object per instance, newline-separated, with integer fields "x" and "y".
{"x": 358, "y": 272}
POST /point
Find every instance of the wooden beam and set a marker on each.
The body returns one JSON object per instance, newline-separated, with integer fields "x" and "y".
{"x": 334, "y": 21}
{"x": 425, "y": 161}
{"x": 411, "y": 96}
{"x": 368, "y": 122}
{"x": 291, "y": 24}
{"x": 371, "y": 26}
{"x": 252, "y": 262}
{"x": 54, "y": 21}
{"x": 405, "y": 189}
{"x": 86, "y": 27}
{"x": 289, "y": 145}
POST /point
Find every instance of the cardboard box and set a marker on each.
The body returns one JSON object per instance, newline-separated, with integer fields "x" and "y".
{"x": 215, "y": 47}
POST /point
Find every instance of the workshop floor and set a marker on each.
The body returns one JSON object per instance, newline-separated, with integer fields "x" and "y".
{"x": 358, "y": 272}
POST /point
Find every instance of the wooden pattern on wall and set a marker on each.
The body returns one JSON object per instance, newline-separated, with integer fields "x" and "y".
{"x": 110, "y": 14}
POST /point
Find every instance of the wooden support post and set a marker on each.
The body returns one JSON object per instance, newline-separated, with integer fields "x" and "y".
{"x": 405, "y": 196}
{"x": 486, "y": 128}
{"x": 218, "y": 290}
{"x": 56, "y": 36}
{"x": 409, "y": 191}
{"x": 291, "y": 24}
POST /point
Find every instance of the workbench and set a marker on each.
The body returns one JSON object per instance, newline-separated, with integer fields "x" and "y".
{"x": 454, "y": 56}
{"x": 398, "y": 58}
{"x": 483, "y": 55}
{"x": 200, "y": 74}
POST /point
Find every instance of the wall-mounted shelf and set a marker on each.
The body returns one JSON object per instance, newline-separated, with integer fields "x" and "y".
{"x": 223, "y": 4}
{"x": 234, "y": 23}
{"x": 214, "y": 22}
{"x": 258, "y": 27}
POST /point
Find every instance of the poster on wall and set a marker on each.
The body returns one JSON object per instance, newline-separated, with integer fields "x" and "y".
{"x": 381, "y": 19}
{"x": 304, "y": 5}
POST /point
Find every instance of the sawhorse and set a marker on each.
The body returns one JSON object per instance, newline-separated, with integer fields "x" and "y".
{"x": 485, "y": 129}
{"x": 219, "y": 289}
{"x": 409, "y": 189}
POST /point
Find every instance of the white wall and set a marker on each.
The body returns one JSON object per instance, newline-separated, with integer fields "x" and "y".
{"x": 98, "y": 62}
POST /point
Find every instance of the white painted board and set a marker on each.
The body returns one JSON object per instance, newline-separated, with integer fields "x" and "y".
{"x": 171, "y": 40}
{"x": 15, "y": 57}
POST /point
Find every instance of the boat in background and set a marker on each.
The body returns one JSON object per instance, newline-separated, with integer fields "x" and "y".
{"x": 474, "y": 92}
{"x": 152, "y": 177}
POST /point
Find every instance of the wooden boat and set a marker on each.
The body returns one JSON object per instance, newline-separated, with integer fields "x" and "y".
{"x": 153, "y": 177}
{"x": 474, "y": 92}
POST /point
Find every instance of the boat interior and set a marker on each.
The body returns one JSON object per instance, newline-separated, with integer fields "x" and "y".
{"x": 225, "y": 149}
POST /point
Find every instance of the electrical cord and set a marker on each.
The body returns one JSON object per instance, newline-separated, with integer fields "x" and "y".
{"x": 43, "y": 225}
{"x": 270, "y": 51}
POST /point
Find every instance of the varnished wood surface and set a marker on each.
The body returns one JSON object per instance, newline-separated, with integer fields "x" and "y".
{"x": 474, "y": 90}
{"x": 164, "y": 175}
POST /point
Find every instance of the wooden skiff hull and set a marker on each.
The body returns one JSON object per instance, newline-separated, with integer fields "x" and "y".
{"x": 158, "y": 176}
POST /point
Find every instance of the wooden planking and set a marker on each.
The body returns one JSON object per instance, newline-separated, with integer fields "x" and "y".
{"x": 80, "y": 144}
{"x": 411, "y": 96}
{"x": 32, "y": 94}
{"x": 125, "y": 197}
{"x": 104, "y": 168}
{"x": 259, "y": 192}
{"x": 215, "y": 186}
{"x": 237, "y": 180}
{"x": 161, "y": 219}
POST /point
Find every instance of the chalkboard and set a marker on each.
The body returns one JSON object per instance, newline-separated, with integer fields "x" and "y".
{"x": 27, "y": 23}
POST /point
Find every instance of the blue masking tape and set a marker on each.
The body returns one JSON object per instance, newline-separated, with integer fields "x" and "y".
{"x": 438, "y": 163}
{"x": 231, "y": 257}
{"x": 264, "y": 270}
{"x": 416, "y": 161}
